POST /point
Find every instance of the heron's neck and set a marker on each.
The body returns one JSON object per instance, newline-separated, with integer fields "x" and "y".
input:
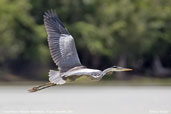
{"x": 106, "y": 71}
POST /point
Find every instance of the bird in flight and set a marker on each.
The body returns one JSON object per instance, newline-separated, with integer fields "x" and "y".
{"x": 64, "y": 54}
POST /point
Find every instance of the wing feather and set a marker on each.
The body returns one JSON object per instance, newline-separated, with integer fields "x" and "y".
{"x": 61, "y": 43}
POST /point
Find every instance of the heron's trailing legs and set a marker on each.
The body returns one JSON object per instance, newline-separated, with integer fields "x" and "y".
{"x": 40, "y": 87}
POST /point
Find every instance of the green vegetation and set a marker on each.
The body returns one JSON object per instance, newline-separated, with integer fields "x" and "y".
{"x": 131, "y": 33}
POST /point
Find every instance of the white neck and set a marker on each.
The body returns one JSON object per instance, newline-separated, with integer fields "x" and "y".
{"x": 106, "y": 71}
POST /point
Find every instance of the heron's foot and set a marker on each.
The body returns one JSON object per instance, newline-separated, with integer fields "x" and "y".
{"x": 34, "y": 89}
{"x": 40, "y": 87}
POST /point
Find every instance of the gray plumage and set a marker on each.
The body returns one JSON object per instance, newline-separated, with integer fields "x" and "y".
{"x": 61, "y": 43}
{"x": 64, "y": 53}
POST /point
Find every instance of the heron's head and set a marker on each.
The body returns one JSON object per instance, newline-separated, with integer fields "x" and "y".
{"x": 119, "y": 69}
{"x": 115, "y": 69}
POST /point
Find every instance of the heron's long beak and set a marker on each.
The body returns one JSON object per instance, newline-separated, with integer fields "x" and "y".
{"x": 120, "y": 69}
{"x": 126, "y": 69}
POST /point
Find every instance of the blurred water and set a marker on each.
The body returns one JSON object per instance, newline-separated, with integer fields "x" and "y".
{"x": 86, "y": 100}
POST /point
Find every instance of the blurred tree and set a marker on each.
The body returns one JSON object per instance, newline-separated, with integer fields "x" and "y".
{"x": 22, "y": 40}
{"x": 124, "y": 32}
{"x": 124, "y": 29}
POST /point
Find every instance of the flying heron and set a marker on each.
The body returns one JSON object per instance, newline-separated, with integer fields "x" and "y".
{"x": 64, "y": 54}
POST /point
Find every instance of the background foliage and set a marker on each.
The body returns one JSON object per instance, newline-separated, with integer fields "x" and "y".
{"x": 131, "y": 33}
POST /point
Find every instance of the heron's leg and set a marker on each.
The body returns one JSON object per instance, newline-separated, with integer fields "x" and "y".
{"x": 40, "y": 87}
{"x": 48, "y": 85}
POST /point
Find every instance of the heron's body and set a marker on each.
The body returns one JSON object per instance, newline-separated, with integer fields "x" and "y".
{"x": 92, "y": 73}
{"x": 73, "y": 74}
{"x": 64, "y": 54}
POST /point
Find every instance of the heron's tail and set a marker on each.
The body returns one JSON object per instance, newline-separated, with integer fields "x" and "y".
{"x": 54, "y": 77}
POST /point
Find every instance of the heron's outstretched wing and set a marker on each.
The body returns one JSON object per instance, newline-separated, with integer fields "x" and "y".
{"x": 61, "y": 43}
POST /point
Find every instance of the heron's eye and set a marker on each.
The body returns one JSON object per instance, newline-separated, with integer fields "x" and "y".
{"x": 114, "y": 66}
